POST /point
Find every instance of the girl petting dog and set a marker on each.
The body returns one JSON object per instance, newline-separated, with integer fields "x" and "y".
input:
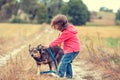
{"x": 71, "y": 44}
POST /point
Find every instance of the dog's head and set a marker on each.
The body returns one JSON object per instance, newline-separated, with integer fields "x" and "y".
{"x": 39, "y": 53}
{"x": 34, "y": 52}
{"x": 43, "y": 51}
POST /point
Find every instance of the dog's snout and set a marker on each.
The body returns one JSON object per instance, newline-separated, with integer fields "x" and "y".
{"x": 32, "y": 55}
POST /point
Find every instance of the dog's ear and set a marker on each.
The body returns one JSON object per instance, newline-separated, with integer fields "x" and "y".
{"x": 39, "y": 46}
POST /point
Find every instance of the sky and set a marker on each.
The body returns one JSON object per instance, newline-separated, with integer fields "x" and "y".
{"x": 95, "y": 5}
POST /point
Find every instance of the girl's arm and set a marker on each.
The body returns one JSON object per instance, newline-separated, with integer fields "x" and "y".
{"x": 64, "y": 36}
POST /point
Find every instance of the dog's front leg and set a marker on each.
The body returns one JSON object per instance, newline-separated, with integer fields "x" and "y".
{"x": 38, "y": 69}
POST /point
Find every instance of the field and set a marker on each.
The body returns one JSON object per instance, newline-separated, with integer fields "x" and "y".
{"x": 102, "y": 18}
{"x": 98, "y": 59}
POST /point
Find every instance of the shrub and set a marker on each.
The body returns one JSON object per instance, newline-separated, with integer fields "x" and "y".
{"x": 117, "y": 22}
{"x": 18, "y": 20}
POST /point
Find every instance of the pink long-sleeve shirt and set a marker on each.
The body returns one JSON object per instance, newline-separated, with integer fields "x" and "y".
{"x": 69, "y": 39}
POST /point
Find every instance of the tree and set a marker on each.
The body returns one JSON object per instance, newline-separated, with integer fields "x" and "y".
{"x": 64, "y": 9}
{"x": 118, "y": 17}
{"x": 78, "y": 12}
{"x": 54, "y": 7}
{"x": 2, "y": 2}
{"x": 30, "y": 7}
{"x": 42, "y": 13}
{"x": 8, "y": 8}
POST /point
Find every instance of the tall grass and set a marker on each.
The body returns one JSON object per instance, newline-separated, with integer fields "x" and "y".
{"x": 22, "y": 67}
{"x": 101, "y": 48}
{"x": 14, "y": 35}
{"x": 106, "y": 56}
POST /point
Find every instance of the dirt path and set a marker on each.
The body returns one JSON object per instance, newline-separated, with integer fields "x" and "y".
{"x": 85, "y": 71}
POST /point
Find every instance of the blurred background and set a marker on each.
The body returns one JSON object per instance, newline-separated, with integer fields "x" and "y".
{"x": 79, "y": 12}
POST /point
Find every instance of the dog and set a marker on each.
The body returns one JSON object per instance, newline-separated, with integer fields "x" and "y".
{"x": 42, "y": 55}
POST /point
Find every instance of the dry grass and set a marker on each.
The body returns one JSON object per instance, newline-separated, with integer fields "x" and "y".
{"x": 104, "y": 32}
{"x": 96, "y": 52}
{"x": 14, "y": 35}
{"x": 23, "y": 67}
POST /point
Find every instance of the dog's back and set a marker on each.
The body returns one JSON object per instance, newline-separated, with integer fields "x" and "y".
{"x": 58, "y": 53}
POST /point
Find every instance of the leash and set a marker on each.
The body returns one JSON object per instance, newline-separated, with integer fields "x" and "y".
{"x": 55, "y": 63}
{"x": 54, "y": 60}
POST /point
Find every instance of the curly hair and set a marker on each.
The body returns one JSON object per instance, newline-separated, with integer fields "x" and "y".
{"x": 61, "y": 21}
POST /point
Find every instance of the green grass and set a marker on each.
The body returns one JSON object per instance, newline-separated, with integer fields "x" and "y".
{"x": 112, "y": 42}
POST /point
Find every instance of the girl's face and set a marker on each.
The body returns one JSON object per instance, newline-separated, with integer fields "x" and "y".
{"x": 56, "y": 27}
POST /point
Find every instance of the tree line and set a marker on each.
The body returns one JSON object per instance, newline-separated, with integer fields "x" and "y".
{"x": 41, "y": 11}
{"x": 104, "y": 9}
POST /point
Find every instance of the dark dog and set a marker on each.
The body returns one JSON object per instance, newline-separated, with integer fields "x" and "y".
{"x": 42, "y": 55}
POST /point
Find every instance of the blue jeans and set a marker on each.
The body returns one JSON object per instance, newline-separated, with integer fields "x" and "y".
{"x": 66, "y": 66}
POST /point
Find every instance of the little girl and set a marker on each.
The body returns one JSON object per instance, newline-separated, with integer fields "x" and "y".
{"x": 71, "y": 44}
